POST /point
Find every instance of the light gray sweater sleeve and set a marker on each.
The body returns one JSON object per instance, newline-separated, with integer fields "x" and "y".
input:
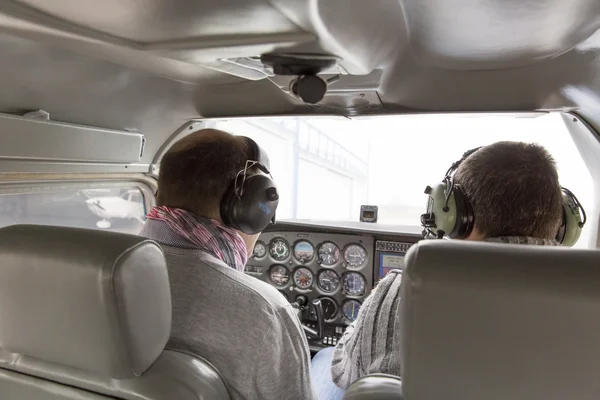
{"x": 282, "y": 369}
{"x": 371, "y": 343}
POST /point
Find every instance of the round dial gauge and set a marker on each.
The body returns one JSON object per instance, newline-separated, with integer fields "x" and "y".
{"x": 355, "y": 256}
{"x": 279, "y": 275}
{"x": 330, "y": 308}
{"x": 279, "y": 249}
{"x": 328, "y": 281}
{"x": 329, "y": 254}
{"x": 304, "y": 251}
{"x": 260, "y": 250}
{"x": 354, "y": 284}
{"x": 350, "y": 310}
{"x": 303, "y": 278}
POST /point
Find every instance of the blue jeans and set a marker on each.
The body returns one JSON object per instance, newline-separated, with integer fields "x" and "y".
{"x": 320, "y": 372}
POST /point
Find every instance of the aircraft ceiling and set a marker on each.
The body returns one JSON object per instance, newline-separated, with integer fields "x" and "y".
{"x": 151, "y": 65}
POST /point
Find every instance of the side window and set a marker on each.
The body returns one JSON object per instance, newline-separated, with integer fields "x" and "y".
{"x": 112, "y": 208}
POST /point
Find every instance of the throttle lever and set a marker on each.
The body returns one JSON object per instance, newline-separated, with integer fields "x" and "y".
{"x": 310, "y": 333}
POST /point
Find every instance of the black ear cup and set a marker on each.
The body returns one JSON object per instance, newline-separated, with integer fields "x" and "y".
{"x": 226, "y": 203}
{"x": 465, "y": 217}
{"x": 250, "y": 203}
{"x": 252, "y": 210}
{"x": 562, "y": 229}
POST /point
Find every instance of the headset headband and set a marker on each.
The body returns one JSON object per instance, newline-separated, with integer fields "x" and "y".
{"x": 259, "y": 159}
{"x": 258, "y": 156}
{"x": 456, "y": 164}
{"x": 449, "y": 177}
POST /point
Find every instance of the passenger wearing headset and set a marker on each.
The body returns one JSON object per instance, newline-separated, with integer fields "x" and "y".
{"x": 215, "y": 196}
{"x": 507, "y": 192}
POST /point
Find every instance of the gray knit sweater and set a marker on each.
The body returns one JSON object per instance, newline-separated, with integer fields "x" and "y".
{"x": 241, "y": 325}
{"x": 369, "y": 344}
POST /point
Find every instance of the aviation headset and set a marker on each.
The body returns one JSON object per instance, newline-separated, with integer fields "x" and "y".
{"x": 250, "y": 202}
{"x": 449, "y": 213}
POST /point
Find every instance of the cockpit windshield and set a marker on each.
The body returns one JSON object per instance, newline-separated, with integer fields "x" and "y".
{"x": 327, "y": 167}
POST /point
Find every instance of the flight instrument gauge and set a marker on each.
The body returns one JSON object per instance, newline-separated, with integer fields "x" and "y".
{"x": 329, "y": 254}
{"x": 279, "y": 275}
{"x": 350, "y": 310}
{"x": 354, "y": 284}
{"x": 279, "y": 249}
{"x": 303, "y": 278}
{"x": 304, "y": 251}
{"x": 330, "y": 308}
{"x": 355, "y": 256}
{"x": 260, "y": 250}
{"x": 328, "y": 281}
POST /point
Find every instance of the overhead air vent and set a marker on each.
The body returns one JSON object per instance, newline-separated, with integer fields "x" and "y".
{"x": 254, "y": 68}
{"x": 250, "y": 68}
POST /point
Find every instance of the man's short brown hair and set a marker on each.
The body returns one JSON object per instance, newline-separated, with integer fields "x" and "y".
{"x": 197, "y": 170}
{"x": 514, "y": 190}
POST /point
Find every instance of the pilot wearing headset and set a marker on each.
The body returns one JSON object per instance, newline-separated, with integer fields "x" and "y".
{"x": 507, "y": 192}
{"x": 215, "y": 196}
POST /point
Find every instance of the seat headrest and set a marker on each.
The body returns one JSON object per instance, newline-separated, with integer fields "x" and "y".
{"x": 94, "y": 300}
{"x": 499, "y": 321}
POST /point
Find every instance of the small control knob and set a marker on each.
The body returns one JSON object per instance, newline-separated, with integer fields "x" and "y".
{"x": 301, "y": 301}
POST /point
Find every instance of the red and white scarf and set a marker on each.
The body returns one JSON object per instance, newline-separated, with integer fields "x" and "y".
{"x": 204, "y": 234}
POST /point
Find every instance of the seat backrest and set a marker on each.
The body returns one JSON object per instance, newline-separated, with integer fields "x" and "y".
{"x": 87, "y": 314}
{"x": 498, "y": 321}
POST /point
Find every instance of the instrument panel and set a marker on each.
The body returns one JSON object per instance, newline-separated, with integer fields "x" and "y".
{"x": 338, "y": 269}
{"x": 339, "y": 265}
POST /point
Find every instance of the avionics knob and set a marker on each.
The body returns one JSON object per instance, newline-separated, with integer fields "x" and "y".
{"x": 301, "y": 300}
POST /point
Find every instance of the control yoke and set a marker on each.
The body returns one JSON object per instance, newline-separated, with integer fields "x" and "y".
{"x": 300, "y": 303}
{"x": 320, "y": 317}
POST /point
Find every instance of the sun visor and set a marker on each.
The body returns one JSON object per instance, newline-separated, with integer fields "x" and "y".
{"x": 26, "y": 138}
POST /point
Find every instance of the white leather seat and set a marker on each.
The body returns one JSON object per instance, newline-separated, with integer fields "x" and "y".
{"x": 87, "y": 314}
{"x": 495, "y": 322}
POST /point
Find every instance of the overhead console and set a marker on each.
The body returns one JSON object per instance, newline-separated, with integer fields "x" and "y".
{"x": 338, "y": 269}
